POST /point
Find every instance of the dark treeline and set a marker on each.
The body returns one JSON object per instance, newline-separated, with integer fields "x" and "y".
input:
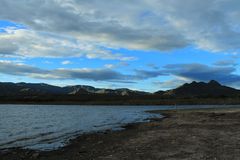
{"x": 117, "y": 100}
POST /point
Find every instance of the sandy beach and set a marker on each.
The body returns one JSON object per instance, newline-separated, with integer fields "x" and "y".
{"x": 183, "y": 134}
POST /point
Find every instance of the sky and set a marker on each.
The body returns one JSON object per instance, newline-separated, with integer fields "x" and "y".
{"x": 145, "y": 45}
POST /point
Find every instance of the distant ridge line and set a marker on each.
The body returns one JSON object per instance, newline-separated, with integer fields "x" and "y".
{"x": 189, "y": 93}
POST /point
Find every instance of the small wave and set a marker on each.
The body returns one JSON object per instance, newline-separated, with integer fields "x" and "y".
{"x": 25, "y": 139}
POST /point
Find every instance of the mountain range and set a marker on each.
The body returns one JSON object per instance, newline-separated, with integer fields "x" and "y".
{"x": 40, "y": 92}
{"x": 12, "y": 89}
{"x": 201, "y": 89}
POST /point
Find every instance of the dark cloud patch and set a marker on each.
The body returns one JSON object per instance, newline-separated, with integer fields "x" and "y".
{"x": 200, "y": 72}
{"x": 153, "y": 66}
{"x": 182, "y": 72}
{"x": 146, "y": 74}
{"x": 230, "y": 62}
{"x": 89, "y": 74}
{"x": 19, "y": 69}
{"x": 8, "y": 48}
{"x": 105, "y": 74}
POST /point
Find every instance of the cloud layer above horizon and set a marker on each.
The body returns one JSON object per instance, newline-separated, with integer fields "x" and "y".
{"x": 119, "y": 42}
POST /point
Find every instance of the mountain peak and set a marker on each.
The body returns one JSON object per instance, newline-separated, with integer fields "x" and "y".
{"x": 213, "y": 82}
{"x": 194, "y": 82}
{"x": 202, "y": 89}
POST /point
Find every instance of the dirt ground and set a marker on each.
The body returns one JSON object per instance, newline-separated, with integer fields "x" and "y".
{"x": 212, "y": 134}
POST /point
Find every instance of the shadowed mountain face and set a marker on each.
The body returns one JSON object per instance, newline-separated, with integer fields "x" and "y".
{"x": 11, "y": 89}
{"x": 201, "y": 89}
{"x": 81, "y": 89}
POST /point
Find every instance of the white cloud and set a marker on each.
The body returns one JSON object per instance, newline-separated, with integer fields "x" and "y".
{"x": 29, "y": 44}
{"x": 209, "y": 25}
{"x": 117, "y": 65}
{"x": 151, "y": 24}
{"x": 117, "y": 24}
{"x": 109, "y": 66}
{"x": 66, "y": 62}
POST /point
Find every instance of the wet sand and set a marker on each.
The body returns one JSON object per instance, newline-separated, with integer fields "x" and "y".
{"x": 186, "y": 134}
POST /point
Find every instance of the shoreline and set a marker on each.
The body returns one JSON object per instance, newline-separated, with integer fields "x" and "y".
{"x": 121, "y": 100}
{"x": 191, "y": 134}
{"x": 123, "y": 104}
{"x": 120, "y": 105}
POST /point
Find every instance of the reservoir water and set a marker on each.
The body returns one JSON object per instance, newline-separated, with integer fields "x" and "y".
{"x": 48, "y": 127}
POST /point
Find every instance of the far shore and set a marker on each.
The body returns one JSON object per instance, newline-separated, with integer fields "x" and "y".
{"x": 161, "y": 102}
{"x": 181, "y": 134}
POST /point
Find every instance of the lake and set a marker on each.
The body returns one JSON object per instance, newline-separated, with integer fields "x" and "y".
{"x": 48, "y": 127}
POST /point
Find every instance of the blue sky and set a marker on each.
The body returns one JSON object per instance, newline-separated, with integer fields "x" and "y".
{"x": 157, "y": 45}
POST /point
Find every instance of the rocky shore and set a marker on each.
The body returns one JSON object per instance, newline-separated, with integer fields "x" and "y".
{"x": 183, "y": 134}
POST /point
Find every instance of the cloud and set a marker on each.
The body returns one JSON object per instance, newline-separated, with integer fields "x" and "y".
{"x": 229, "y": 62}
{"x": 66, "y": 62}
{"x": 201, "y": 72}
{"x": 90, "y": 74}
{"x": 152, "y": 66}
{"x": 11, "y": 68}
{"x": 109, "y": 66}
{"x": 29, "y": 44}
{"x": 145, "y": 74}
{"x": 182, "y": 73}
{"x": 117, "y": 24}
{"x": 209, "y": 25}
{"x": 99, "y": 74}
{"x": 104, "y": 74}
{"x": 118, "y": 65}
{"x": 150, "y": 25}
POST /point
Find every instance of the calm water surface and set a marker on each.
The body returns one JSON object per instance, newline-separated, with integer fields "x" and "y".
{"x": 48, "y": 127}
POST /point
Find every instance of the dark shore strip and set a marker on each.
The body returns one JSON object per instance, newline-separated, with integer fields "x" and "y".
{"x": 182, "y": 134}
